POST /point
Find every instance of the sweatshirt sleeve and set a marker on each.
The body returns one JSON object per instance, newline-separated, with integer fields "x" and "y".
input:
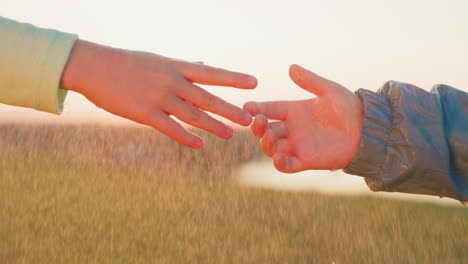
{"x": 31, "y": 65}
{"x": 413, "y": 141}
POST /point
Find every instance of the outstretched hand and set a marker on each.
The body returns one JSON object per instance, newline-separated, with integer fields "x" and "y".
{"x": 319, "y": 133}
{"x": 148, "y": 88}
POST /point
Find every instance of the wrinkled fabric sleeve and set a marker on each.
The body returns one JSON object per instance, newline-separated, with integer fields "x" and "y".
{"x": 414, "y": 141}
{"x": 31, "y": 65}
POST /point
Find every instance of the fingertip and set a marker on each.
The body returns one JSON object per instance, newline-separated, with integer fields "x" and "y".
{"x": 259, "y": 125}
{"x": 251, "y": 82}
{"x": 295, "y": 73}
{"x": 255, "y": 132}
{"x": 244, "y": 81}
{"x": 308, "y": 80}
{"x": 261, "y": 122}
{"x": 197, "y": 143}
{"x": 229, "y": 132}
{"x": 293, "y": 69}
{"x": 280, "y": 162}
{"x": 250, "y": 107}
{"x": 287, "y": 164}
{"x": 246, "y": 118}
{"x": 267, "y": 143}
{"x": 261, "y": 118}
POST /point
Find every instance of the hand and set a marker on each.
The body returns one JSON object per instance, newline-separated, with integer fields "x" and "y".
{"x": 319, "y": 133}
{"x": 148, "y": 88}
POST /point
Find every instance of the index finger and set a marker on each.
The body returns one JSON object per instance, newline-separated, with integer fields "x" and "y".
{"x": 276, "y": 110}
{"x": 203, "y": 74}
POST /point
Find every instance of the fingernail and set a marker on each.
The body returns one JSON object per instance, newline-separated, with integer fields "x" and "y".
{"x": 260, "y": 118}
{"x": 246, "y": 118}
{"x": 252, "y": 81}
{"x": 198, "y": 143}
{"x": 229, "y": 131}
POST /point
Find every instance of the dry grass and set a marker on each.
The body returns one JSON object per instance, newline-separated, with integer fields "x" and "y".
{"x": 82, "y": 194}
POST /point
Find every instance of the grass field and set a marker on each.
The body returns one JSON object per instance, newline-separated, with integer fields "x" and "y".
{"x": 89, "y": 194}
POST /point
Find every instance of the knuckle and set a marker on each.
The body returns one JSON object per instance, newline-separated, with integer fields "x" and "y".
{"x": 144, "y": 115}
{"x": 147, "y": 116}
{"x": 205, "y": 70}
{"x": 195, "y": 116}
{"x": 213, "y": 70}
{"x": 167, "y": 81}
{"x": 209, "y": 101}
{"x": 172, "y": 82}
{"x": 164, "y": 99}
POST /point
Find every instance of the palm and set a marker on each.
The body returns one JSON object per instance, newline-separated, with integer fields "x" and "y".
{"x": 320, "y": 133}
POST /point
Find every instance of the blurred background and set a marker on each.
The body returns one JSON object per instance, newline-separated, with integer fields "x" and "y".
{"x": 87, "y": 192}
{"x": 360, "y": 44}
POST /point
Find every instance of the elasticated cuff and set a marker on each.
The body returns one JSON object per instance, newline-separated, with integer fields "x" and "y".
{"x": 374, "y": 135}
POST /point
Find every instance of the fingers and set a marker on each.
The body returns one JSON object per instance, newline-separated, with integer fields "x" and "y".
{"x": 271, "y": 144}
{"x": 275, "y": 144}
{"x": 259, "y": 126}
{"x": 287, "y": 164}
{"x": 280, "y": 151}
{"x": 197, "y": 118}
{"x": 279, "y": 129}
{"x": 276, "y": 110}
{"x": 272, "y": 135}
{"x": 267, "y": 142}
{"x": 281, "y": 145}
{"x": 162, "y": 122}
{"x": 214, "y": 104}
{"x": 203, "y": 74}
{"x": 311, "y": 81}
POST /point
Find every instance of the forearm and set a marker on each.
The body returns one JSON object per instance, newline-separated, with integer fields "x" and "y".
{"x": 32, "y": 61}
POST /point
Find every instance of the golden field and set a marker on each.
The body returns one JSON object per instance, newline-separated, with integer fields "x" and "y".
{"x": 96, "y": 194}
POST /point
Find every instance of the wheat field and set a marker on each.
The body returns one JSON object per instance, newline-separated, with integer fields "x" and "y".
{"x": 96, "y": 194}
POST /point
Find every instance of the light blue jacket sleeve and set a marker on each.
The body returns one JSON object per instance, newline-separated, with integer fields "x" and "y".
{"x": 414, "y": 141}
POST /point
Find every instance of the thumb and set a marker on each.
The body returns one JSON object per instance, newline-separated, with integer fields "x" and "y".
{"x": 310, "y": 81}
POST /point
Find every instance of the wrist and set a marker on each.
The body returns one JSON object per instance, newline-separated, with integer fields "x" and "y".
{"x": 82, "y": 66}
{"x": 360, "y": 115}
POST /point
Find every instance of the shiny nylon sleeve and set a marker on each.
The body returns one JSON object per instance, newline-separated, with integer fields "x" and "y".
{"x": 413, "y": 141}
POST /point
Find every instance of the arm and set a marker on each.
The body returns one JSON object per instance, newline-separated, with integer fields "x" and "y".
{"x": 401, "y": 138}
{"x": 414, "y": 141}
{"x": 143, "y": 87}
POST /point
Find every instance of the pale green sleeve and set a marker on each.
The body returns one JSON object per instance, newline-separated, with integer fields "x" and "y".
{"x": 31, "y": 64}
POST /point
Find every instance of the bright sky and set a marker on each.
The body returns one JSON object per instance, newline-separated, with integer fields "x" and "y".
{"x": 360, "y": 43}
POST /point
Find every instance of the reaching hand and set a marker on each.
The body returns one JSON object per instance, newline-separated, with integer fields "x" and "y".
{"x": 319, "y": 133}
{"x": 148, "y": 88}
